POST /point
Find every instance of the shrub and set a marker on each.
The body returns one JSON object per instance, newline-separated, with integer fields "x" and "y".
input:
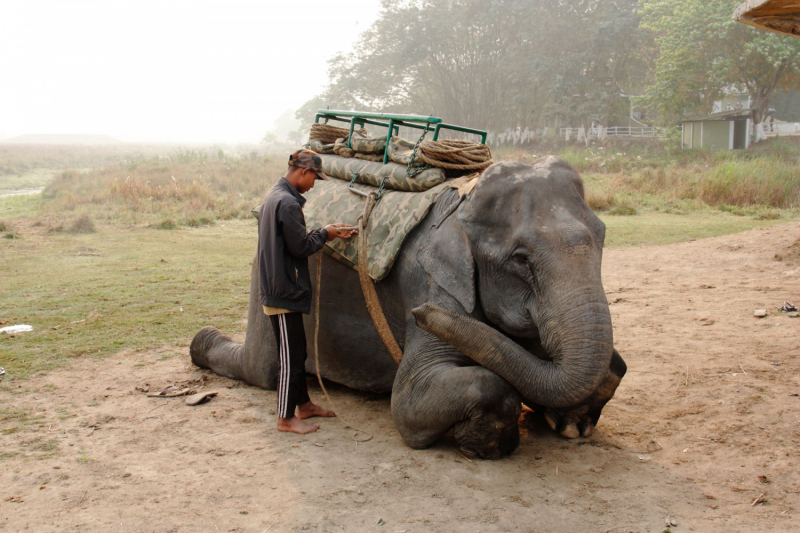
{"x": 82, "y": 224}
{"x": 600, "y": 200}
{"x": 624, "y": 208}
{"x": 167, "y": 223}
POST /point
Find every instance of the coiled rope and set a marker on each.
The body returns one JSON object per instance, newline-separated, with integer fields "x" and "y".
{"x": 455, "y": 155}
{"x": 329, "y": 134}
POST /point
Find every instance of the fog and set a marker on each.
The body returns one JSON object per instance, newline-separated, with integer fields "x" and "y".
{"x": 167, "y": 70}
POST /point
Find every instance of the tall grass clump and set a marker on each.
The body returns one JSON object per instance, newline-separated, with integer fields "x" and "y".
{"x": 768, "y": 182}
{"x": 82, "y": 224}
{"x": 191, "y": 187}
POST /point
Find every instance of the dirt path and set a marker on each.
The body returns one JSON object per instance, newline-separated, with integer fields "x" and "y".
{"x": 705, "y": 422}
{"x": 6, "y": 193}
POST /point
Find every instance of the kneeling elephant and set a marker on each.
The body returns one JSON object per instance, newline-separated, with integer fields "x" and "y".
{"x": 495, "y": 299}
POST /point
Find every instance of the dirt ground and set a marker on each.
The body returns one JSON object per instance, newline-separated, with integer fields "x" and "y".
{"x": 705, "y": 422}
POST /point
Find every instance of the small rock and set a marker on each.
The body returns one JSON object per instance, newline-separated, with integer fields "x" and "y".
{"x": 760, "y": 313}
{"x": 793, "y": 314}
{"x": 644, "y": 457}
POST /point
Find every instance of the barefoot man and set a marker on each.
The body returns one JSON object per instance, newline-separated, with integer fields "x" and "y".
{"x": 284, "y": 246}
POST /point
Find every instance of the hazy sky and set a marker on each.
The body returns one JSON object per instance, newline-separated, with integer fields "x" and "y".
{"x": 167, "y": 70}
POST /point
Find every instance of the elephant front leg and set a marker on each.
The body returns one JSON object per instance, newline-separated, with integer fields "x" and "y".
{"x": 580, "y": 420}
{"x": 435, "y": 390}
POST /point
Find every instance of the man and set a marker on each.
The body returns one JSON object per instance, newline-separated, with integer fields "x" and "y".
{"x": 284, "y": 246}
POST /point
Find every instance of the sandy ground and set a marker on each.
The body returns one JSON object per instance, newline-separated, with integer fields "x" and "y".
{"x": 705, "y": 422}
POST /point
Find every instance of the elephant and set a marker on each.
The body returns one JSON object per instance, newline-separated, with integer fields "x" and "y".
{"x": 496, "y": 301}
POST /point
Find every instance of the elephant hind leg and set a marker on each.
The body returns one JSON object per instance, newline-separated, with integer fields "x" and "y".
{"x": 217, "y": 352}
{"x": 202, "y": 343}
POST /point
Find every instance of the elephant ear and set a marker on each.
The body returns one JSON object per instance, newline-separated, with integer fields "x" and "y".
{"x": 446, "y": 257}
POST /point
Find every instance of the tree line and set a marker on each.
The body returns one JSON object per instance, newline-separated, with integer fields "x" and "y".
{"x": 495, "y": 64}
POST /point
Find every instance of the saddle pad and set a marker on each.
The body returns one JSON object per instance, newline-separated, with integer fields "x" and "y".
{"x": 396, "y": 214}
{"x": 373, "y": 173}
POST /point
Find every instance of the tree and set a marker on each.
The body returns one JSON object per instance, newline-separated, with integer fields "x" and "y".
{"x": 703, "y": 53}
{"x": 493, "y": 63}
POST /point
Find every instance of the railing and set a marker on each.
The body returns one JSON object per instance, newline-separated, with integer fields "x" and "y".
{"x": 781, "y": 129}
{"x": 393, "y": 122}
{"x": 600, "y": 132}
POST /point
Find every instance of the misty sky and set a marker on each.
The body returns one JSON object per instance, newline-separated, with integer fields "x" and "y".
{"x": 167, "y": 70}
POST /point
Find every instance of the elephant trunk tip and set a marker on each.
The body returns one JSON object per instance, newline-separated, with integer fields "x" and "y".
{"x": 422, "y": 313}
{"x": 202, "y": 343}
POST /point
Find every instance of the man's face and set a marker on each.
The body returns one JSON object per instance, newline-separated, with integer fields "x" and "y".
{"x": 307, "y": 180}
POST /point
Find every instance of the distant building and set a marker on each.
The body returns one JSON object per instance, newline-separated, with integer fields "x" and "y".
{"x": 725, "y": 130}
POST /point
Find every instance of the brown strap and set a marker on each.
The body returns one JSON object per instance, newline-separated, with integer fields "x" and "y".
{"x": 368, "y": 287}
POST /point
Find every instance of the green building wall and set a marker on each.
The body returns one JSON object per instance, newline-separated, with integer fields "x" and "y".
{"x": 716, "y": 135}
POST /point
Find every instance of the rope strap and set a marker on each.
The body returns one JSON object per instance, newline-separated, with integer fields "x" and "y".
{"x": 316, "y": 356}
{"x": 368, "y": 287}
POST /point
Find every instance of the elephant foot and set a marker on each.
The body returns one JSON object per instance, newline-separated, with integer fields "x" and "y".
{"x": 580, "y": 420}
{"x": 490, "y": 433}
{"x": 573, "y": 422}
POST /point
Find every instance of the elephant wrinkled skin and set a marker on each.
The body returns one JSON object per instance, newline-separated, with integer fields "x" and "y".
{"x": 496, "y": 300}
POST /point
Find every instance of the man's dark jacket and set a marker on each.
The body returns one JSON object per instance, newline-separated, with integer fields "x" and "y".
{"x": 284, "y": 246}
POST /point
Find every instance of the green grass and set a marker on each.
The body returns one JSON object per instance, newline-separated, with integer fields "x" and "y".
{"x": 664, "y": 228}
{"x": 97, "y": 294}
{"x": 32, "y": 179}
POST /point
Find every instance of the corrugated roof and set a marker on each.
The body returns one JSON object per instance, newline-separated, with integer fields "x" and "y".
{"x": 722, "y": 115}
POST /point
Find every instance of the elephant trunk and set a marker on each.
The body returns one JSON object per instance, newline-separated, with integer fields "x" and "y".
{"x": 581, "y": 353}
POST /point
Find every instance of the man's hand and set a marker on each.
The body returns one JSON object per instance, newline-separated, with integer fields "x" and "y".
{"x": 340, "y": 231}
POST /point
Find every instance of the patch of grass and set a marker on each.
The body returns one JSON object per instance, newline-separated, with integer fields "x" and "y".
{"x": 121, "y": 296}
{"x": 198, "y": 222}
{"x": 663, "y": 228}
{"x": 623, "y": 208}
{"x": 167, "y": 224}
{"x": 5, "y": 226}
{"x": 600, "y": 200}
{"x": 770, "y": 214}
{"x": 194, "y": 186}
{"x": 82, "y": 224}
{"x": 13, "y": 420}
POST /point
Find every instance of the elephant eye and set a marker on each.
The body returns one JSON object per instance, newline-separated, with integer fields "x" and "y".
{"x": 522, "y": 262}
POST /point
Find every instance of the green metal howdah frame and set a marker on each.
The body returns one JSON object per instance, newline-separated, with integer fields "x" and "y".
{"x": 394, "y": 122}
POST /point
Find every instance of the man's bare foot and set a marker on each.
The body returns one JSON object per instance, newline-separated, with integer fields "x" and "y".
{"x": 296, "y": 425}
{"x": 309, "y": 409}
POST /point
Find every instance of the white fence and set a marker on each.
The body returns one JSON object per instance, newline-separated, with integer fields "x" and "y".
{"x": 599, "y": 132}
{"x": 516, "y": 136}
{"x": 786, "y": 128}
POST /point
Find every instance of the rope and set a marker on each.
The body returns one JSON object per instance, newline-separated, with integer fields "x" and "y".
{"x": 316, "y": 357}
{"x": 367, "y": 287}
{"x": 455, "y": 155}
{"x": 329, "y": 134}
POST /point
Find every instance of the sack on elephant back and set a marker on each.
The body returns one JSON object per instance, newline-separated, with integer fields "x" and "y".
{"x": 367, "y": 145}
{"x": 393, "y": 218}
{"x": 400, "y": 152}
{"x": 372, "y": 173}
{"x": 320, "y": 147}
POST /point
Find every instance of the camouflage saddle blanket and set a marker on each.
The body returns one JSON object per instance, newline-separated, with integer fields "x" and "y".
{"x": 396, "y": 214}
{"x": 373, "y": 173}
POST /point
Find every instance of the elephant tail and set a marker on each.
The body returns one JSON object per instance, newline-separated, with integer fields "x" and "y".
{"x": 217, "y": 352}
